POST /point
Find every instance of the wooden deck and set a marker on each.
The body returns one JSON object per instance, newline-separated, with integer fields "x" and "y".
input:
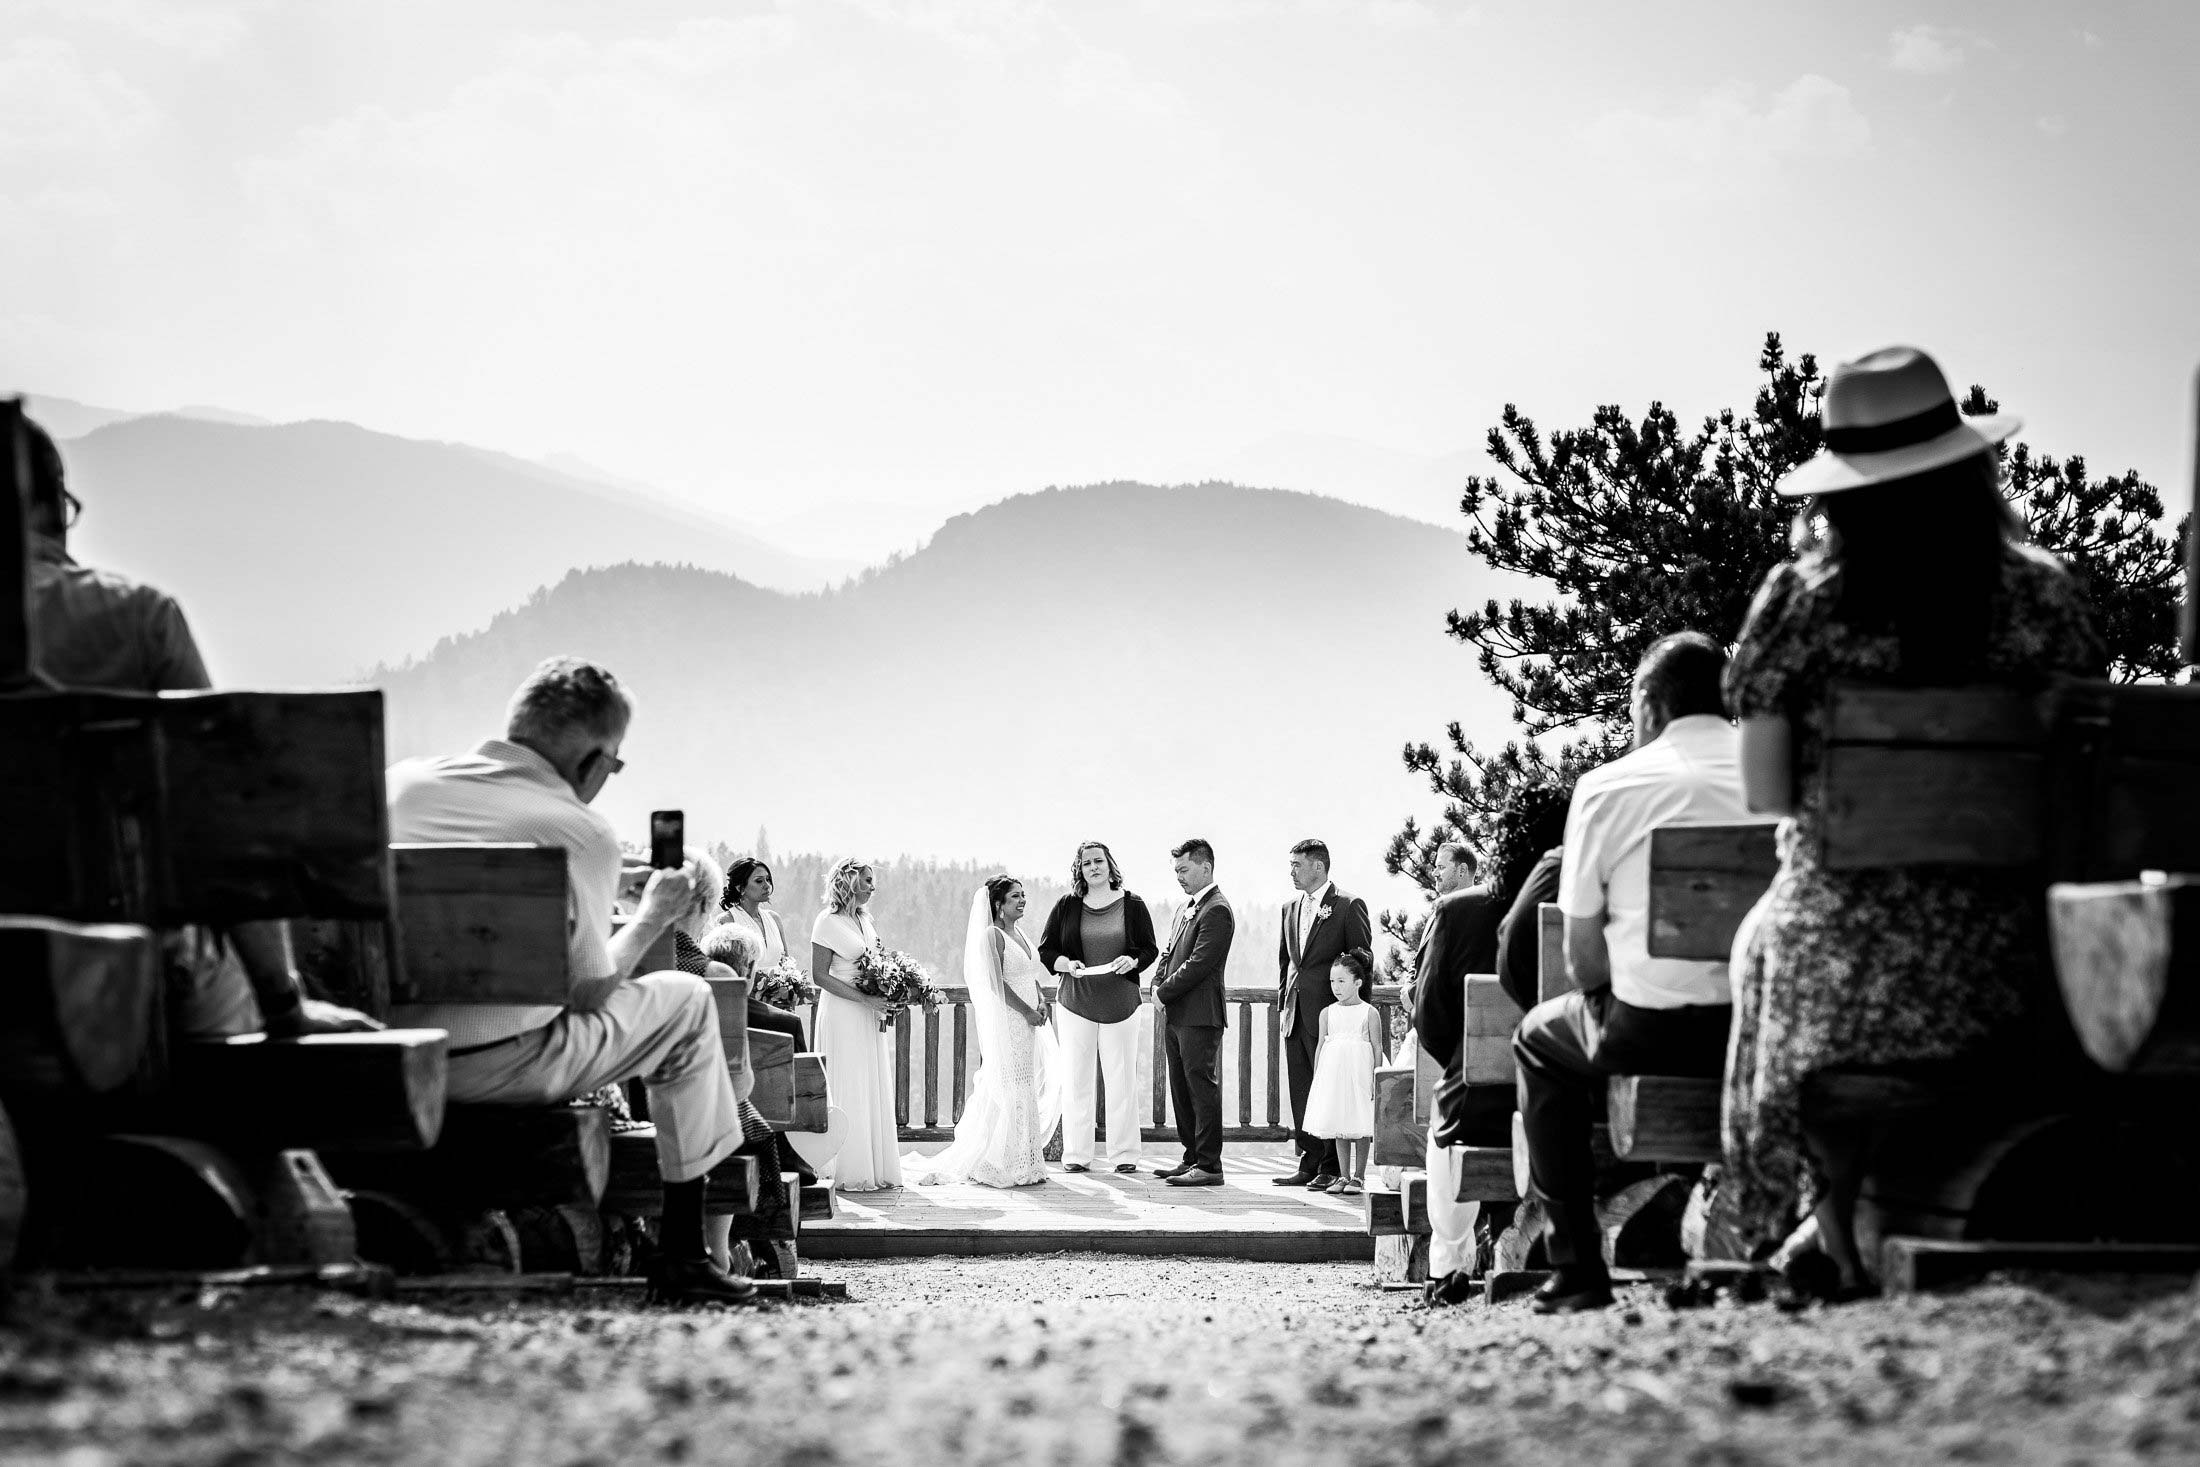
{"x": 1103, "y": 1212}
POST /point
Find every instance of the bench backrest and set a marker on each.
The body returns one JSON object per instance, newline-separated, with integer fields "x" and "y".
{"x": 193, "y": 807}
{"x": 480, "y": 924}
{"x": 1703, "y": 881}
{"x": 1552, "y": 979}
{"x": 2090, "y": 780}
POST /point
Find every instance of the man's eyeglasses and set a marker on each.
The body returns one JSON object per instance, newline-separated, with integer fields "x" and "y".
{"x": 612, "y": 762}
{"x": 72, "y": 510}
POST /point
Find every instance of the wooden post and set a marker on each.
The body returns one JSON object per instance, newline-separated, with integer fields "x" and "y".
{"x": 962, "y": 1059}
{"x": 1160, "y": 1068}
{"x": 932, "y": 1067}
{"x": 901, "y": 1068}
{"x": 1275, "y": 1060}
{"x": 1245, "y": 1064}
{"x": 18, "y": 657}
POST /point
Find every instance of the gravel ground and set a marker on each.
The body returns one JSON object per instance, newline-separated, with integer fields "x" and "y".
{"x": 1074, "y": 1359}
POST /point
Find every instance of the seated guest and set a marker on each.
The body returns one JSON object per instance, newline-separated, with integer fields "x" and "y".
{"x": 1910, "y": 570}
{"x": 1458, "y": 937}
{"x": 1630, "y": 1013}
{"x": 732, "y": 950}
{"x": 749, "y": 887}
{"x": 534, "y": 785}
{"x": 1529, "y": 856}
{"x": 94, "y": 630}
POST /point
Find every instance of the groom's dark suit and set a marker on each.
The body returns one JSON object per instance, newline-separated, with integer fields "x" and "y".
{"x": 1303, "y": 992}
{"x": 1189, "y": 986}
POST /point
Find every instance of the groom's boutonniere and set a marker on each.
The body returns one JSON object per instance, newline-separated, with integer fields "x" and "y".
{"x": 1322, "y": 915}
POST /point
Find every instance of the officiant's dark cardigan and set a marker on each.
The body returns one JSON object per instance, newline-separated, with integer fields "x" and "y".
{"x": 1064, "y": 936}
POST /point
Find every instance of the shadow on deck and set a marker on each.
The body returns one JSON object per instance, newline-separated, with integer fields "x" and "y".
{"x": 1104, "y": 1212}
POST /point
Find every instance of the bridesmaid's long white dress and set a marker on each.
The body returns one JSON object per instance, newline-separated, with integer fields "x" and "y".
{"x": 859, "y": 1065}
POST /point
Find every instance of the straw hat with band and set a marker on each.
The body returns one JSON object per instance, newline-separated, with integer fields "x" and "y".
{"x": 1887, "y": 416}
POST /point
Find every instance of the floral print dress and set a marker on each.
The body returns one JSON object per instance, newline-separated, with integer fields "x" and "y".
{"x": 1869, "y": 967}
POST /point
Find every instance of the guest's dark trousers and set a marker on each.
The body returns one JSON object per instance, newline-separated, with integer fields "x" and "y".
{"x": 1565, "y": 1049}
{"x": 1195, "y": 1089}
{"x": 779, "y": 1021}
{"x": 1317, "y": 1154}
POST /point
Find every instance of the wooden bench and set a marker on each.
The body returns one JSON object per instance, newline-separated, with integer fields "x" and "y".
{"x": 2090, "y": 781}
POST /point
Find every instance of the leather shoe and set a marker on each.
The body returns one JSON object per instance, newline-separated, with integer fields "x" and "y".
{"x": 1296, "y": 1179}
{"x": 1323, "y": 1183}
{"x": 1197, "y": 1176}
{"x": 1451, "y": 1288}
{"x": 697, "y": 1281}
{"x": 1128, "y": 1166}
{"x": 1573, "y": 1291}
{"x": 1175, "y": 1171}
{"x": 1075, "y": 1166}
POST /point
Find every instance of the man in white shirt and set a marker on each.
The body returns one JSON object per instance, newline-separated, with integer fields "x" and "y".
{"x": 534, "y": 785}
{"x": 1630, "y": 1013}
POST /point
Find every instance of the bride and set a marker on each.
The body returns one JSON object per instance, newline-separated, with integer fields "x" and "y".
{"x": 1016, "y": 1099}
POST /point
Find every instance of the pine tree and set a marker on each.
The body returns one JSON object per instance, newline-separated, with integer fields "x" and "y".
{"x": 1642, "y": 529}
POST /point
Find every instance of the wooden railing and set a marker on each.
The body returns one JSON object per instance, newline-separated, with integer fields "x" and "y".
{"x": 935, "y": 1054}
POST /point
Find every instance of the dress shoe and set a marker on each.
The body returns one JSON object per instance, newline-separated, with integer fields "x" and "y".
{"x": 697, "y": 1281}
{"x": 1296, "y": 1179}
{"x": 1451, "y": 1288}
{"x": 1573, "y": 1291}
{"x": 1197, "y": 1176}
{"x": 1128, "y": 1166}
{"x": 1075, "y": 1166}
{"x": 1326, "y": 1182}
{"x": 1175, "y": 1171}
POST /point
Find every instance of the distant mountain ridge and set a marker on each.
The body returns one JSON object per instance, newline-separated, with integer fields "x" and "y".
{"x": 1122, "y": 661}
{"x": 310, "y": 552}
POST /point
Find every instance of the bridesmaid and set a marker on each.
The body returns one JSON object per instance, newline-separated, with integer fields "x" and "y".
{"x": 748, "y": 897}
{"x": 859, "y": 1055}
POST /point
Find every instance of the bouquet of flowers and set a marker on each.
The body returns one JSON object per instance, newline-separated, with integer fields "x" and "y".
{"x": 896, "y": 977}
{"x": 782, "y": 985}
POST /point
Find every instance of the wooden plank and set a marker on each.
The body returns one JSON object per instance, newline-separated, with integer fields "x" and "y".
{"x": 1981, "y": 715}
{"x": 1245, "y": 1064}
{"x": 771, "y": 1060}
{"x": 636, "y": 1187}
{"x": 1912, "y": 1265}
{"x": 2125, "y": 954}
{"x": 1415, "y": 1191}
{"x": 18, "y": 647}
{"x": 1427, "y": 1075}
{"x": 816, "y": 1202}
{"x": 481, "y": 924}
{"x": 1275, "y": 1062}
{"x": 348, "y": 962}
{"x": 381, "y": 1091}
{"x": 1386, "y": 1213}
{"x": 1887, "y": 806}
{"x": 79, "y": 1014}
{"x": 902, "y": 1023}
{"x": 932, "y": 1069}
{"x": 1703, "y": 881}
{"x": 1552, "y": 979}
{"x": 495, "y": 1156}
{"x": 1485, "y": 1173}
{"x": 1490, "y": 1011}
{"x": 1160, "y": 1067}
{"x": 1487, "y": 1059}
{"x": 962, "y": 1059}
{"x": 1400, "y": 1140}
{"x": 731, "y": 997}
{"x": 812, "y": 1094}
{"x": 1664, "y": 1117}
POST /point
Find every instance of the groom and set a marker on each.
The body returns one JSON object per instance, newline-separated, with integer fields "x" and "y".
{"x": 1324, "y": 922}
{"x": 1188, "y": 989}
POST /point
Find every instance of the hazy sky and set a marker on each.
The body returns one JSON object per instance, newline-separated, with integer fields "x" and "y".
{"x": 790, "y": 258}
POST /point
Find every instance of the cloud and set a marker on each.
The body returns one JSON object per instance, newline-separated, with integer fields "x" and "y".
{"x": 1393, "y": 15}
{"x": 2054, "y": 126}
{"x": 203, "y": 29}
{"x": 1926, "y": 50}
{"x": 1811, "y": 117}
{"x": 52, "y": 104}
{"x": 2091, "y": 41}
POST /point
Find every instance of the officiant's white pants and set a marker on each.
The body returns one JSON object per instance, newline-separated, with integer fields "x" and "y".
{"x": 1116, "y": 1045}
{"x": 1450, "y": 1221}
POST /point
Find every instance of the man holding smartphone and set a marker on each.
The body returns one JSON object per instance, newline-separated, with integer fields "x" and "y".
{"x": 534, "y": 785}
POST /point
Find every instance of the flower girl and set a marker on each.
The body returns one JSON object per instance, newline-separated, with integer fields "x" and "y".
{"x": 1341, "y": 1103}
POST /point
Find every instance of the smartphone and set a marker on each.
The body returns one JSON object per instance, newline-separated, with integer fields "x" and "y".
{"x": 667, "y": 839}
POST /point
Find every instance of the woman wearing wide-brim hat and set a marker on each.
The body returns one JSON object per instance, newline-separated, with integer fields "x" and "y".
{"x": 1910, "y": 568}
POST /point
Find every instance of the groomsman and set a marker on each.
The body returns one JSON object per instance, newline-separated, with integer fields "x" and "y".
{"x": 1188, "y": 990}
{"x": 1324, "y": 922}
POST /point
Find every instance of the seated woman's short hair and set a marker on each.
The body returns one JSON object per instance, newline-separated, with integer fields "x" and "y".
{"x": 734, "y": 945}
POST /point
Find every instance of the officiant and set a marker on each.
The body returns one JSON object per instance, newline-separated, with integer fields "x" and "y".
{"x": 1099, "y": 939}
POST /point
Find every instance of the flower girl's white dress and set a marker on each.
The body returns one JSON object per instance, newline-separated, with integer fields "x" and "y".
{"x": 1341, "y": 1101}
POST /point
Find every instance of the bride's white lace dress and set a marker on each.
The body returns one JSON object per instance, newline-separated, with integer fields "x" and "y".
{"x": 1015, "y": 1101}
